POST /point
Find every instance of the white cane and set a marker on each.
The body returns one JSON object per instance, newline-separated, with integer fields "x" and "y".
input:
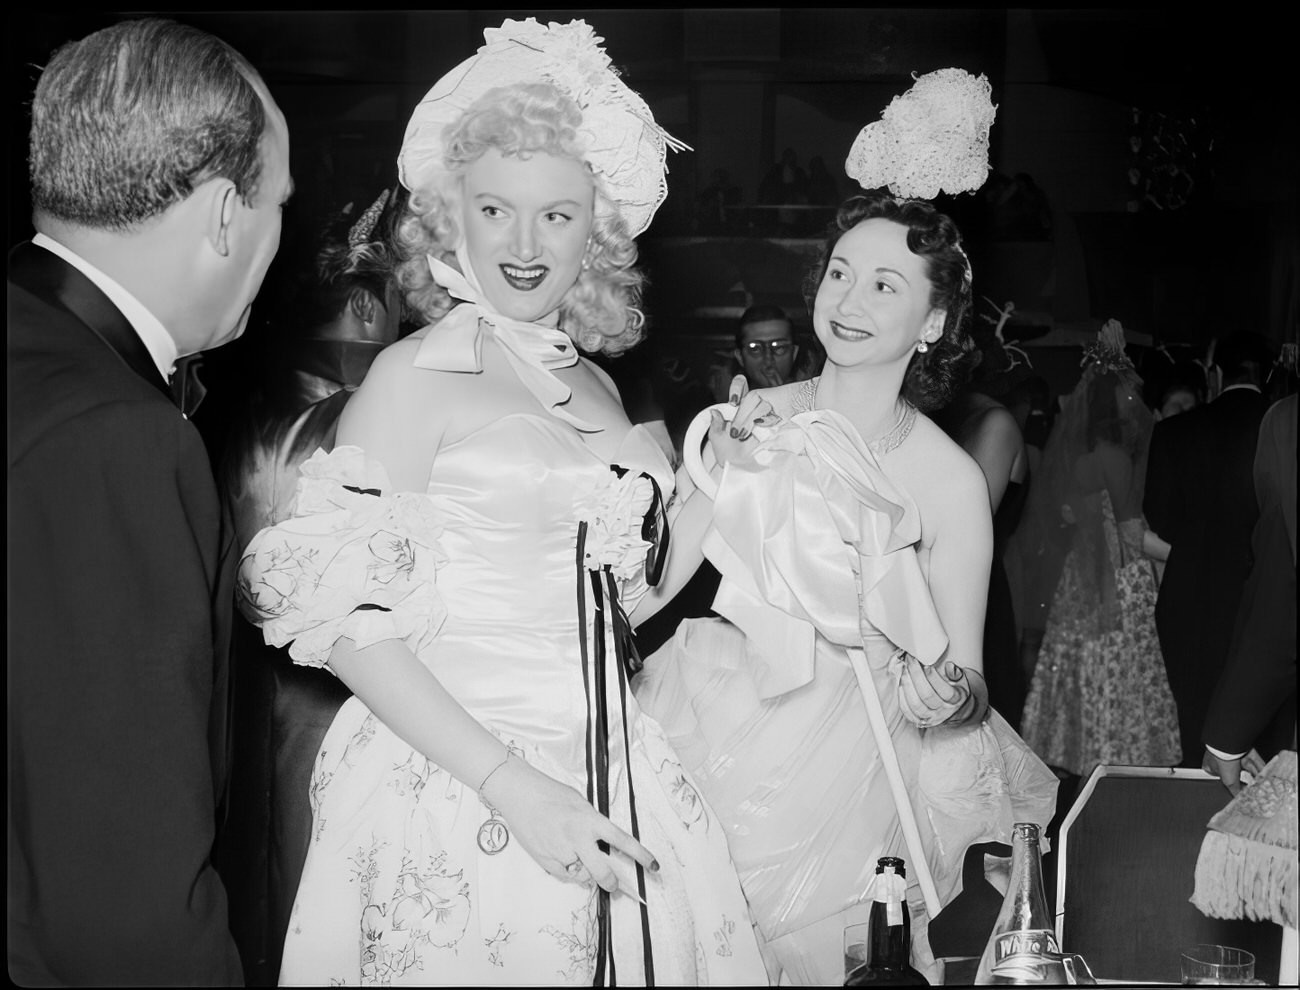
{"x": 694, "y": 464}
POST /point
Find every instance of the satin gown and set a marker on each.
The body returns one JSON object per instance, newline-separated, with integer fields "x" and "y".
{"x": 817, "y": 551}
{"x": 411, "y": 878}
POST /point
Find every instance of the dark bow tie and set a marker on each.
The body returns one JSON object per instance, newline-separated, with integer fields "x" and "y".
{"x": 187, "y": 389}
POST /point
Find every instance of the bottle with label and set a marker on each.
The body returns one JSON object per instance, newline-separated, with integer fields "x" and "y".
{"x": 1022, "y": 950}
{"x": 889, "y": 932}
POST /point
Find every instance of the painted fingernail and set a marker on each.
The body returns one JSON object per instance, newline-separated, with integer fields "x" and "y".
{"x": 735, "y": 433}
{"x": 654, "y": 866}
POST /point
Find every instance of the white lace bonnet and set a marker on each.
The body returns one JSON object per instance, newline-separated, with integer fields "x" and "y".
{"x": 621, "y": 142}
{"x": 932, "y": 139}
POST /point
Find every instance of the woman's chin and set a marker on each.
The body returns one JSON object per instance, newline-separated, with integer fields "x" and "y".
{"x": 518, "y": 306}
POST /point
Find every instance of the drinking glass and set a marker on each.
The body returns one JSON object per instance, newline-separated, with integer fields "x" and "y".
{"x": 1217, "y": 965}
{"x": 855, "y": 947}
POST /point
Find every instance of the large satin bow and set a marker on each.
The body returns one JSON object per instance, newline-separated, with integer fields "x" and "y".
{"x": 455, "y": 343}
{"x": 811, "y": 537}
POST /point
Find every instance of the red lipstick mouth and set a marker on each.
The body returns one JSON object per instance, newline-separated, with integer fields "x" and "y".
{"x": 524, "y": 278}
{"x": 849, "y": 333}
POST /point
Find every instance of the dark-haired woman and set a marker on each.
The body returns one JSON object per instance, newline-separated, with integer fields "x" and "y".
{"x": 847, "y": 526}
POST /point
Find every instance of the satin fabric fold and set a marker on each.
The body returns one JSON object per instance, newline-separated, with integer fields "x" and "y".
{"x": 455, "y": 343}
{"x": 835, "y": 552}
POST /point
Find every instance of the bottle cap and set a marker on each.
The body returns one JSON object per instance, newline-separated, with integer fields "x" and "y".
{"x": 891, "y": 864}
{"x": 889, "y": 886}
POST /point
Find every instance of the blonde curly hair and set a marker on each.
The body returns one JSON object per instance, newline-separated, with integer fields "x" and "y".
{"x": 601, "y": 308}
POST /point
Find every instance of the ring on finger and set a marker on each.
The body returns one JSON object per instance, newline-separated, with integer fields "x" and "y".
{"x": 574, "y": 868}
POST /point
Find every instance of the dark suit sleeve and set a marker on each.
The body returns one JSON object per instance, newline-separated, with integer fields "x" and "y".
{"x": 1160, "y": 492}
{"x": 111, "y": 681}
{"x": 1260, "y": 676}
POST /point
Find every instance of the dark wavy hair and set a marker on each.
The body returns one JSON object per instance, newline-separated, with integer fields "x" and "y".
{"x": 340, "y": 269}
{"x": 133, "y": 118}
{"x": 933, "y": 377}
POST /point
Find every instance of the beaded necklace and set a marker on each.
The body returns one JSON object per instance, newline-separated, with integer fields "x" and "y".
{"x": 803, "y": 402}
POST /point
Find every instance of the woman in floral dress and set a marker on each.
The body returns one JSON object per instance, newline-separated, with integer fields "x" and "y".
{"x": 491, "y": 807}
{"x": 1099, "y": 692}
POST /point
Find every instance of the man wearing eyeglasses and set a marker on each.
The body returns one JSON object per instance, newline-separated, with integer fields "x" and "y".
{"x": 765, "y": 347}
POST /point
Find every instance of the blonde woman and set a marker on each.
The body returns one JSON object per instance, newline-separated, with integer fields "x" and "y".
{"x": 492, "y": 808}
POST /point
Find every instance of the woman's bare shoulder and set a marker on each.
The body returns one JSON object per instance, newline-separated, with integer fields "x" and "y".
{"x": 395, "y": 368}
{"x": 937, "y": 453}
{"x": 996, "y": 419}
{"x": 937, "y": 472}
{"x": 396, "y": 389}
{"x": 396, "y": 362}
{"x": 602, "y": 376}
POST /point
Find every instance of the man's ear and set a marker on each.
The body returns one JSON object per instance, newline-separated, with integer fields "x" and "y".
{"x": 222, "y": 209}
{"x": 735, "y": 354}
{"x": 363, "y": 305}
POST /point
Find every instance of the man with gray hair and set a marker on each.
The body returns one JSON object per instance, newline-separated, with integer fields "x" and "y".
{"x": 159, "y": 169}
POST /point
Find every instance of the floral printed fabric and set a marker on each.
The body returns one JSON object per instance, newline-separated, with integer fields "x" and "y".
{"x": 1099, "y": 693}
{"x": 351, "y": 561}
{"x": 410, "y": 878}
{"x": 415, "y": 902}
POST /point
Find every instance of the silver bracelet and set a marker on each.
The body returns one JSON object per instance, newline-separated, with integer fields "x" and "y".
{"x": 492, "y": 771}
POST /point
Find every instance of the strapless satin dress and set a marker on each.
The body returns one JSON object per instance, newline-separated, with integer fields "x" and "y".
{"x": 411, "y": 879}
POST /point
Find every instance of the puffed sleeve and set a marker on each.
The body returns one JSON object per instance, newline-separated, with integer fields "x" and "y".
{"x": 354, "y": 559}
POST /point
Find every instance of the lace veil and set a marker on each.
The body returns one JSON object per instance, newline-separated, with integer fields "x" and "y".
{"x": 1096, "y": 453}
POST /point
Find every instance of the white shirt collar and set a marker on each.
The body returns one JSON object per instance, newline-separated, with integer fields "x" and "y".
{"x": 157, "y": 341}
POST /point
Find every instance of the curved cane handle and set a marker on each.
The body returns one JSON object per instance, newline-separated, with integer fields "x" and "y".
{"x": 693, "y": 441}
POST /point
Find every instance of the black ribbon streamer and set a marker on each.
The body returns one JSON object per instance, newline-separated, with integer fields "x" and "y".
{"x": 654, "y": 530}
{"x": 595, "y": 674}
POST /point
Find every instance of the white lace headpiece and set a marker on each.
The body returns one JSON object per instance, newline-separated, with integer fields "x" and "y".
{"x": 932, "y": 139}
{"x": 620, "y": 140}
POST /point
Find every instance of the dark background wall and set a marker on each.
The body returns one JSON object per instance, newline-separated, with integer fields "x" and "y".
{"x": 1063, "y": 228}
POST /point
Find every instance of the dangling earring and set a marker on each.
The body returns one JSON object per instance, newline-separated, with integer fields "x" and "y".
{"x": 586, "y": 253}
{"x": 922, "y": 346}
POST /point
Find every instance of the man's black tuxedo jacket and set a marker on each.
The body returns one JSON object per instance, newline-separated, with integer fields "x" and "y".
{"x": 1254, "y": 702}
{"x": 1200, "y": 497}
{"x": 119, "y": 614}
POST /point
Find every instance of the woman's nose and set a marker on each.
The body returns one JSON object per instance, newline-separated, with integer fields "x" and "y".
{"x": 852, "y": 302}
{"x": 523, "y": 241}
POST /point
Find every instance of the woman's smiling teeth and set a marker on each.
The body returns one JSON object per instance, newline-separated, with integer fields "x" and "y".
{"x": 524, "y": 279}
{"x": 848, "y": 333}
